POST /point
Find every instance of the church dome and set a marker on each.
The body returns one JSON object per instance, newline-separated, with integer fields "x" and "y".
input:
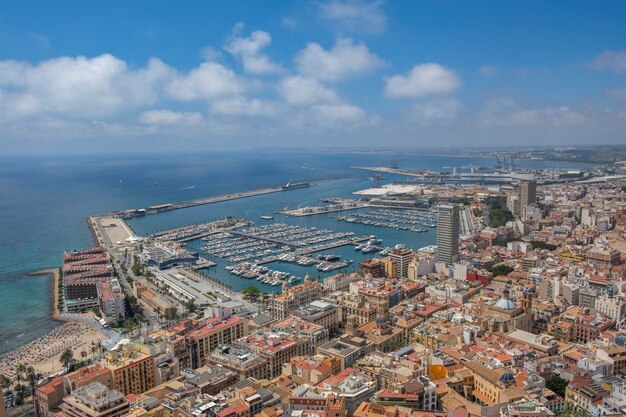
{"x": 506, "y": 304}
{"x": 507, "y": 378}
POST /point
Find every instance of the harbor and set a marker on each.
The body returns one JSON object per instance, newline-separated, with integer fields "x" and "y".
{"x": 414, "y": 220}
{"x": 247, "y": 250}
{"x": 337, "y": 204}
{"x": 263, "y": 235}
{"x": 159, "y": 208}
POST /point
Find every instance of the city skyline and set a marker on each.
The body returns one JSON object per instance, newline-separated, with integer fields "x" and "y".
{"x": 91, "y": 78}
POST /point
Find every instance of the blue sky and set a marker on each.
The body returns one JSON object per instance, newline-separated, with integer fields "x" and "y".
{"x": 94, "y": 76}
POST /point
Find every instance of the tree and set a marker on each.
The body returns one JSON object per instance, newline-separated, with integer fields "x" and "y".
{"x": 5, "y": 382}
{"x": 252, "y": 292}
{"x": 20, "y": 391}
{"x": 129, "y": 325}
{"x": 20, "y": 373}
{"x": 557, "y": 385}
{"x": 33, "y": 378}
{"x": 67, "y": 358}
{"x": 190, "y": 305}
{"x": 170, "y": 314}
{"x": 537, "y": 244}
{"x": 501, "y": 269}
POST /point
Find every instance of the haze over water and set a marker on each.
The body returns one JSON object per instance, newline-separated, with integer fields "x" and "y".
{"x": 44, "y": 203}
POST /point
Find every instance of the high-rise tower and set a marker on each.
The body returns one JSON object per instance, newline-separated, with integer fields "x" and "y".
{"x": 448, "y": 233}
{"x": 528, "y": 193}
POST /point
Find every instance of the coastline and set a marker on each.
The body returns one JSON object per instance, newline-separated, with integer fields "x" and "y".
{"x": 54, "y": 294}
{"x": 43, "y": 353}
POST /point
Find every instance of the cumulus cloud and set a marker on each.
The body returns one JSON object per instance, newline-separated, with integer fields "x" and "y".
{"x": 241, "y": 106}
{"x": 356, "y": 15}
{"x": 340, "y": 115}
{"x": 80, "y": 86}
{"x": 503, "y": 111}
{"x": 250, "y": 51}
{"x": 208, "y": 81}
{"x": 300, "y": 90}
{"x": 433, "y": 111}
{"x": 423, "y": 80}
{"x": 168, "y": 117}
{"x": 346, "y": 58}
{"x": 610, "y": 60}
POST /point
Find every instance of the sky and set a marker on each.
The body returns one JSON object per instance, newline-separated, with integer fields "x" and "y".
{"x": 128, "y": 76}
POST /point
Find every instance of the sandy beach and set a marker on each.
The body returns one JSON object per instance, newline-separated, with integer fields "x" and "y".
{"x": 43, "y": 354}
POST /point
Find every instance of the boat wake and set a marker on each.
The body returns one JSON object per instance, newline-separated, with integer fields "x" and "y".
{"x": 191, "y": 187}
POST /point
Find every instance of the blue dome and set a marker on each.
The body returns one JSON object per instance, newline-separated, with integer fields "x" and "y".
{"x": 507, "y": 378}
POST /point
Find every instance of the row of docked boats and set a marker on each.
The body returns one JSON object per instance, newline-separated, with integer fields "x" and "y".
{"x": 261, "y": 273}
{"x": 411, "y": 220}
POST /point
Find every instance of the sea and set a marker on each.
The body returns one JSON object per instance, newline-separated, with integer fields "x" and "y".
{"x": 44, "y": 203}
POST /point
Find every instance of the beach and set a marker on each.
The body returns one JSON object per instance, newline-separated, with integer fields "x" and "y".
{"x": 43, "y": 353}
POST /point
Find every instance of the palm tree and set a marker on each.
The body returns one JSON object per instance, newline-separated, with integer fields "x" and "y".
{"x": 67, "y": 358}
{"x": 5, "y": 382}
{"x": 20, "y": 394}
{"x": 33, "y": 378}
{"x": 20, "y": 372}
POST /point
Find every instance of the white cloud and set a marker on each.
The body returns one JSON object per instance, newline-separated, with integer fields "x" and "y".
{"x": 610, "y": 60}
{"x": 338, "y": 113}
{"x": 433, "y": 111}
{"x": 616, "y": 93}
{"x": 210, "y": 54}
{"x": 356, "y": 15}
{"x": 305, "y": 91}
{"x": 503, "y": 111}
{"x": 80, "y": 86}
{"x": 423, "y": 80}
{"x": 241, "y": 106}
{"x": 208, "y": 81}
{"x": 13, "y": 73}
{"x": 488, "y": 71}
{"x": 168, "y": 117}
{"x": 250, "y": 51}
{"x": 346, "y": 58}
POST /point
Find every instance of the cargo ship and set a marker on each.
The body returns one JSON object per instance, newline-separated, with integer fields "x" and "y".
{"x": 292, "y": 186}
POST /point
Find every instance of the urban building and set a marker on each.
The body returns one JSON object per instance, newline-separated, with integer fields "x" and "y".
{"x": 95, "y": 400}
{"x": 528, "y": 193}
{"x": 133, "y": 371}
{"x": 214, "y": 332}
{"x": 447, "y": 233}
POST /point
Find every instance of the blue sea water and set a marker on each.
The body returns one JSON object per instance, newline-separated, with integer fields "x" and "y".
{"x": 44, "y": 203}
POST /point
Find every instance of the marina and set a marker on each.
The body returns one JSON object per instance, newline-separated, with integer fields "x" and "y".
{"x": 247, "y": 250}
{"x": 413, "y": 220}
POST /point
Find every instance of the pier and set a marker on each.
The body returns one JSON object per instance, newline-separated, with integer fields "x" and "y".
{"x": 265, "y": 239}
{"x": 330, "y": 208}
{"x": 333, "y": 245}
{"x": 160, "y": 208}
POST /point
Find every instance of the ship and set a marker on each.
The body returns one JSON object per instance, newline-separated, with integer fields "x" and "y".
{"x": 292, "y": 186}
{"x": 267, "y": 218}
